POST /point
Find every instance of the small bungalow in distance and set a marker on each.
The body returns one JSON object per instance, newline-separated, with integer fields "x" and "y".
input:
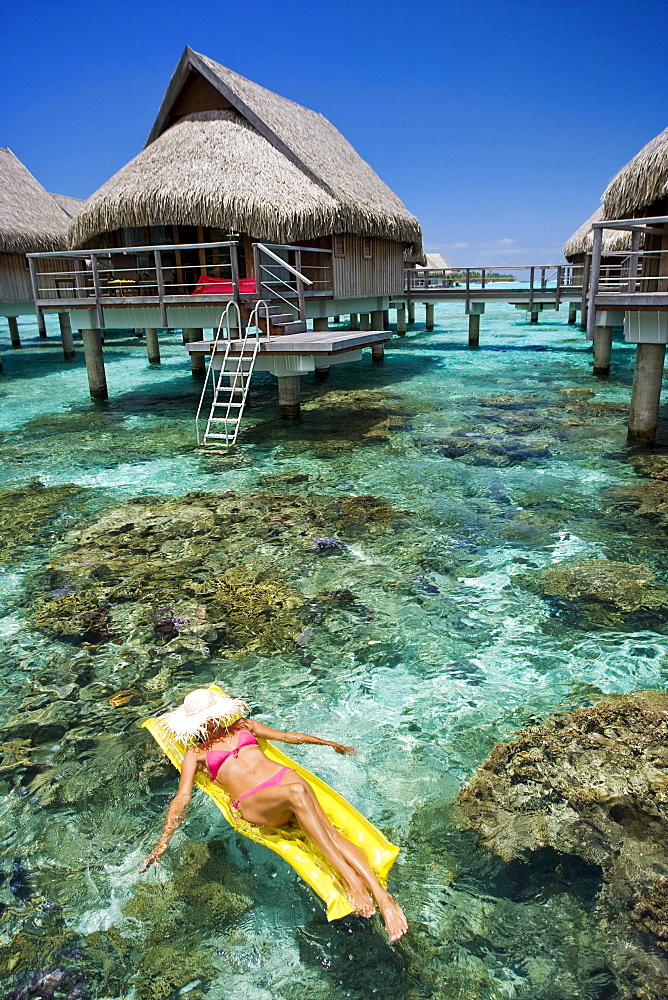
{"x": 242, "y": 195}
{"x": 31, "y": 220}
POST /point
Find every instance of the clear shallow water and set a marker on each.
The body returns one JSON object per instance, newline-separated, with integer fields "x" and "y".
{"x": 501, "y": 469}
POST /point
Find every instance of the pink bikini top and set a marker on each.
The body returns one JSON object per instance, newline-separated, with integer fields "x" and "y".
{"x": 214, "y": 758}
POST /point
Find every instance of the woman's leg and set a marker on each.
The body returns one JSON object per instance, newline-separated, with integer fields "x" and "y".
{"x": 394, "y": 917}
{"x": 276, "y": 806}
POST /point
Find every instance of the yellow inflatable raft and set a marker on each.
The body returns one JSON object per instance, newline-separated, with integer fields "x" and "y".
{"x": 292, "y": 844}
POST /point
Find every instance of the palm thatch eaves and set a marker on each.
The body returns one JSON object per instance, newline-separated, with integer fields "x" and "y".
{"x": 31, "y": 220}
{"x": 641, "y": 183}
{"x": 582, "y": 240}
{"x": 259, "y": 164}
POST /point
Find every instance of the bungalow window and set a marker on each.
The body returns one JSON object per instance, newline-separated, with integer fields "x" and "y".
{"x": 366, "y": 247}
{"x": 339, "y": 246}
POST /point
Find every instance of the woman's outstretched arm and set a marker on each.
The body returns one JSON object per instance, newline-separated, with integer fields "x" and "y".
{"x": 177, "y": 808}
{"x": 265, "y": 733}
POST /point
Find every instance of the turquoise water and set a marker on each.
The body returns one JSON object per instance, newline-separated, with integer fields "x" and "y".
{"x": 478, "y": 470}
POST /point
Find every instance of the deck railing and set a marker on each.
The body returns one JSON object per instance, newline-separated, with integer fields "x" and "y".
{"x": 628, "y": 279}
{"x": 173, "y": 275}
{"x": 539, "y": 276}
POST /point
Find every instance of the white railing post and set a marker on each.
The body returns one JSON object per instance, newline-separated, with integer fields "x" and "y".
{"x": 98, "y": 291}
{"x": 157, "y": 256}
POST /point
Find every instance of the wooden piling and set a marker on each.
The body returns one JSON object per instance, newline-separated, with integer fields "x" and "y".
{"x": 41, "y": 325}
{"x": 386, "y": 319}
{"x": 411, "y": 311}
{"x": 646, "y": 393}
{"x": 378, "y": 353}
{"x": 354, "y": 321}
{"x": 321, "y": 323}
{"x": 602, "y": 350}
{"x": 429, "y": 315}
{"x": 474, "y": 330}
{"x": 97, "y": 378}
{"x": 192, "y": 335}
{"x": 401, "y": 320}
{"x": 572, "y": 315}
{"x": 365, "y": 320}
{"x": 376, "y": 319}
{"x": 534, "y": 317}
{"x": 14, "y": 334}
{"x": 321, "y": 373}
{"x": 152, "y": 345}
{"x": 336, "y": 319}
{"x": 289, "y": 397}
{"x": 66, "y": 335}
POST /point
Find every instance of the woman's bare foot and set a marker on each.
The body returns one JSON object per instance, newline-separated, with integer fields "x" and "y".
{"x": 359, "y": 898}
{"x": 394, "y": 918}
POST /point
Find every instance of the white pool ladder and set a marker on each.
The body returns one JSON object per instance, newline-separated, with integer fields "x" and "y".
{"x": 231, "y": 381}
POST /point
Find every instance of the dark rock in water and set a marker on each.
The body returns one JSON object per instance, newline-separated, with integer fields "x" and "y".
{"x": 167, "y": 622}
{"x": 339, "y": 596}
{"x": 48, "y": 983}
{"x": 327, "y": 544}
{"x": 426, "y": 586}
{"x": 17, "y": 882}
{"x": 593, "y": 783}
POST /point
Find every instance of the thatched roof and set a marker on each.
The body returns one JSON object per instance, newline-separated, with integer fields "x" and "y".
{"x": 582, "y": 240}
{"x": 226, "y": 152}
{"x": 643, "y": 181}
{"x": 30, "y": 219}
{"x": 436, "y": 262}
{"x": 68, "y": 204}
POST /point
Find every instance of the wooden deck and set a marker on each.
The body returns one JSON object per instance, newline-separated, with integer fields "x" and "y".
{"x": 325, "y": 342}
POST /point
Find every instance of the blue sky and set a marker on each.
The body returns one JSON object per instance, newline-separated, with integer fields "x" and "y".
{"x": 498, "y": 124}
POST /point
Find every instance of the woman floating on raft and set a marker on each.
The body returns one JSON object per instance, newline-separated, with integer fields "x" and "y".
{"x": 266, "y": 795}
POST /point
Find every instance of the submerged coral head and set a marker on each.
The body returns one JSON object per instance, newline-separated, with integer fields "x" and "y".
{"x": 327, "y": 544}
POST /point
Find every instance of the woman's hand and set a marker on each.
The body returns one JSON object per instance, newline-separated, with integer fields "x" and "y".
{"x": 344, "y": 751}
{"x": 154, "y": 856}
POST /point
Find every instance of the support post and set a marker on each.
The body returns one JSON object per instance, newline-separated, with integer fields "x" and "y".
{"x": 320, "y": 324}
{"x": 97, "y": 378}
{"x": 585, "y": 289}
{"x": 364, "y": 321}
{"x": 593, "y": 282}
{"x": 534, "y": 317}
{"x": 646, "y": 393}
{"x": 336, "y": 319}
{"x": 429, "y": 317}
{"x": 411, "y": 311}
{"x": 474, "y": 329}
{"x": 602, "y": 350}
{"x": 354, "y": 321}
{"x": 321, "y": 373}
{"x": 192, "y": 335}
{"x": 289, "y": 397}
{"x": 377, "y": 320}
{"x": 572, "y": 315}
{"x": 14, "y": 334}
{"x": 152, "y": 345}
{"x": 66, "y": 335}
{"x": 378, "y": 353}
{"x": 532, "y": 275}
{"x": 386, "y": 319}
{"x": 41, "y": 325}
{"x": 401, "y": 320}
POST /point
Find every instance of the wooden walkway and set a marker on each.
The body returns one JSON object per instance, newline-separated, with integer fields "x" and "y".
{"x": 310, "y": 343}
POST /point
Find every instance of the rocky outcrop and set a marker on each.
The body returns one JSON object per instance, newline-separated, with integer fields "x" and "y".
{"x": 591, "y": 783}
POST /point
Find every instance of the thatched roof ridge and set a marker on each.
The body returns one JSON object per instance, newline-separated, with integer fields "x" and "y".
{"x": 582, "y": 239}
{"x": 30, "y": 219}
{"x": 436, "y": 262}
{"x": 643, "y": 181}
{"x": 316, "y": 183}
{"x": 68, "y": 204}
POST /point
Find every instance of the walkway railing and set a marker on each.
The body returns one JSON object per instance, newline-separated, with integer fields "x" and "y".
{"x": 175, "y": 275}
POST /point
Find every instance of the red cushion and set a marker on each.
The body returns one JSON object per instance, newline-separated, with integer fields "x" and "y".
{"x": 216, "y": 286}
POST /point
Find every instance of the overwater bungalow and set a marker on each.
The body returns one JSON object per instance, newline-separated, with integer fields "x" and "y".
{"x": 31, "y": 220}
{"x": 636, "y": 293}
{"x": 238, "y": 195}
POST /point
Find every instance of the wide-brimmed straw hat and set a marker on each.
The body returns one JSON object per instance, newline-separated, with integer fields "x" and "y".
{"x": 203, "y": 705}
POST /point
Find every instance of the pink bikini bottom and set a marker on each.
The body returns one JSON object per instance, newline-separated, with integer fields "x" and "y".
{"x": 275, "y": 779}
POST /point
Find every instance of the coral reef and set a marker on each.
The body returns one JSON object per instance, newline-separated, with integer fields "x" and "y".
{"x": 591, "y": 783}
{"x": 625, "y": 587}
{"x": 28, "y": 514}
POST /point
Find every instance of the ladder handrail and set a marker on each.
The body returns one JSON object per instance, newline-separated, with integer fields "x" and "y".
{"x": 240, "y": 377}
{"x": 284, "y": 263}
{"x": 212, "y": 351}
